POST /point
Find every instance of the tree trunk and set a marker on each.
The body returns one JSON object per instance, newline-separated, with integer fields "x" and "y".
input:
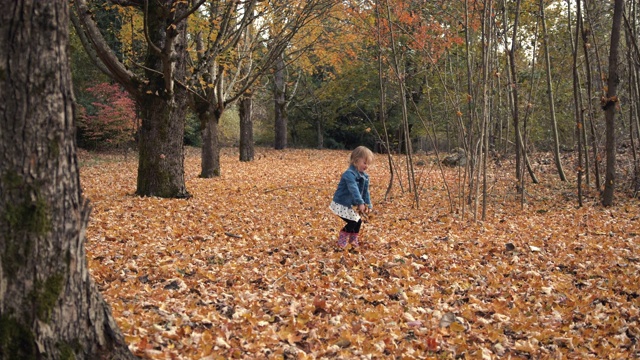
{"x": 487, "y": 40}
{"x": 507, "y": 86}
{"x": 161, "y": 163}
{"x": 209, "y": 108}
{"x": 246, "y": 128}
{"x": 552, "y": 107}
{"x": 513, "y": 88}
{"x": 247, "y": 151}
{"x": 406, "y": 128}
{"x": 471, "y": 106}
{"x": 576, "y": 97}
{"x": 163, "y": 112}
{"x": 210, "y": 162}
{"x": 319, "y": 134}
{"x": 633, "y": 53}
{"x": 293, "y": 132}
{"x": 633, "y": 113}
{"x": 610, "y": 104}
{"x": 280, "y": 102}
{"x": 514, "y": 91}
{"x": 590, "y": 108}
{"x": 50, "y": 308}
{"x": 383, "y": 101}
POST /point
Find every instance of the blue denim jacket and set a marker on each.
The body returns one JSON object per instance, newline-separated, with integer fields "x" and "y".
{"x": 353, "y": 188}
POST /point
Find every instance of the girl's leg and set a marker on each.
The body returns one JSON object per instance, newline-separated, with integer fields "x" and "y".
{"x": 351, "y": 229}
{"x": 345, "y": 233}
{"x": 353, "y": 236}
{"x": 352, "y": 226}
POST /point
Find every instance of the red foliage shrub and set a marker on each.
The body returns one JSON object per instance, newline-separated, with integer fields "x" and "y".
{"x": 111, "y": 118}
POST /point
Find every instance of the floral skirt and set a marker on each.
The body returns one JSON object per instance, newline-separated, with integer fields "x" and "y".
{"x": 344, "y": 212}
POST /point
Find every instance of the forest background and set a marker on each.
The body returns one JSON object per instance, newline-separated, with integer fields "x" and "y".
{"x": 491, "y": 80}
{"x": 412, "y": 80}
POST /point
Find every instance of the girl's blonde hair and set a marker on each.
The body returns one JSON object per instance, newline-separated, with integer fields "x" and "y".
{"x": 361, "y": 152}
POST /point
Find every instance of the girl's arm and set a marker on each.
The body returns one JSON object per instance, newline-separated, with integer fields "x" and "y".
{"x": 367, "y": 196}
{"x": 350, "y": 180}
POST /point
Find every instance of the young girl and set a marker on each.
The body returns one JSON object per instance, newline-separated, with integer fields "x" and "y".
{"x": 353, "y": 190}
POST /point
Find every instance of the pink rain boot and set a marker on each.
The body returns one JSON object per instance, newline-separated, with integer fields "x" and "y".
{"x": 353, "y": 239}
{"x": 343, "y": 238}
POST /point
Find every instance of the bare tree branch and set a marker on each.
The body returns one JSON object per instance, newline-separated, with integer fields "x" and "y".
{"x": 152, "y": 46}
{"x": 117, "y": 70}
{"x": 87, "y": 46}
{"x": 188, "y": 13}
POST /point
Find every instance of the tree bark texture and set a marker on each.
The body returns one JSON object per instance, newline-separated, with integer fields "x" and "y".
{"x": 210, "y": 162}
{"x": 161, "y": 147}
{"x": 209, "y": 108}
{"x": 280, "y": 101}
{"x": 163, "y": 111}
{"x": 610, "y": 104}
{"x": 50, "y": 308}
{"x": 246, "y": 128}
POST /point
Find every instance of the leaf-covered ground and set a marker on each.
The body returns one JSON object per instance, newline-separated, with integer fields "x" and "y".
{"x": 247, "y": 268}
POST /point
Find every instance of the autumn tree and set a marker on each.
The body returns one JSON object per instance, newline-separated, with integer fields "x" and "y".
{"x": 487, "y": 42}
{"x": 280, "y": 102}
{"x": 222, "y": 27}
{"x": 245, "y": 111}
{"x": 400, "y": 73}
{"x": 50, "y": 308}
{"x": 221, "y": 75}
{"x": 552, "y": 107}
{"x": 512, "y": 51}
{"x": 157, "y": 85}
{"x": 314, "y": 94}
{"x": 610, "y": 104}
{"x": 245, "y": 104}
{"x": 587, "y": 45}
{"x": 421, "y": 34}
{"x": 425, "y": 35}
{"x": 298, "y": 61}
{"x": 108, "y": 121}
{"x": 577, "y": 99}
{"x": 633, "y": 54}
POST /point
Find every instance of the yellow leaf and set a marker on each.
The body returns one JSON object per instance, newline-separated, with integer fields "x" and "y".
{"x": 372, "y": 315}
{"x": 456, "y": 327}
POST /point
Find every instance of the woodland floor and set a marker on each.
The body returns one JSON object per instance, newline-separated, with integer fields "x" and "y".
{"x": 247, "y": 269}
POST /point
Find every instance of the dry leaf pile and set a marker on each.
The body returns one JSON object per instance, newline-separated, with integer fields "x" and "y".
{"x": 247, "y": 268}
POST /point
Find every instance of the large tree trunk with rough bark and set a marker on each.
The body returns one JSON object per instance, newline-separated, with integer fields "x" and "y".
{"x": 163, "y": 113}
{"x": 246, "y": 128}
{"x": 49, "y": 306}
{"x": 161, "y": 163}
{"x": 280, "y": 92}
{"x": 210, "y": 162}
